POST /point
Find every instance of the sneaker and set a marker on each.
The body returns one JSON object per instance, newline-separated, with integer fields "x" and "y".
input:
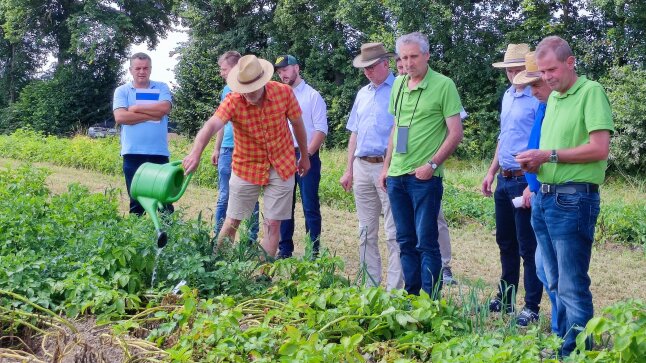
{"x": 526, "y": 317}
{"x": 496, "y": 305}
{"x": 447, "y": 277}
{"x": 281, "y": 256}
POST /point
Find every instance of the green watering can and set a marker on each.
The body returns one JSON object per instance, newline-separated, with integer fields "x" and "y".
{"x": 155, "y": 185}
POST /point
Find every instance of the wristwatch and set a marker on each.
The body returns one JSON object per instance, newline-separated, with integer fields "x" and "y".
{"x": 554, "y": 157}
{"x": 432, "y": 164}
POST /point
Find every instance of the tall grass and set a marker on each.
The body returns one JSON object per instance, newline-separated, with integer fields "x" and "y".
{"x": 622, "y": 219}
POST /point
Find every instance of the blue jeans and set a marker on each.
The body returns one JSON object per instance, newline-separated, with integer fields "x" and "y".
{"x": 540, "y": 272}
{"x": 224, "y": 174}
{"x": 415, "y": 204}
{"x": 564, "y": 225}
{"x": 515, "y": 238}
{"x": 132, "y": 162}
{"x": 309, "y": 187}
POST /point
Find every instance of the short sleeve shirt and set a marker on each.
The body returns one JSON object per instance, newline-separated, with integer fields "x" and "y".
{"x": 423, "y": 110}
{"x": 534, "y": 143}
{"x": 227, "y": 137}
{"x": 144, "y": 138}
{"x": 370, "y": 120}
{"x": 517, "y": 116}
{"x": 569, "y": 120}
{"x": 262, "y": 137}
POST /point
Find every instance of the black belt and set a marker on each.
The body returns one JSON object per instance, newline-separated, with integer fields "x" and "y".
{"x": 569, "y": 188}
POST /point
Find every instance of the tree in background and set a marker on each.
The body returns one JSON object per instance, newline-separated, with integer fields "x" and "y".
{"x": 215, "y": 26}
{"x": 89, "y": 40}
{"x": 626, "y": 87}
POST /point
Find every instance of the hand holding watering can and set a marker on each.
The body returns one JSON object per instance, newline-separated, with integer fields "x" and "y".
{"x": 156, "y": 184}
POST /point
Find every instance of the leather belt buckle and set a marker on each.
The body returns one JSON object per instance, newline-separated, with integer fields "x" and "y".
{"x": 569, "y": 188}
{"x": 372, "y": 159}
{"x": 510, "y": 173}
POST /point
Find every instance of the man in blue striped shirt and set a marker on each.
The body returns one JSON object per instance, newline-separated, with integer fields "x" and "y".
{"x": 514, "y": 234}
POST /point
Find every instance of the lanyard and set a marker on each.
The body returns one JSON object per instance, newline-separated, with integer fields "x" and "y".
{"x": 400, "y": 104}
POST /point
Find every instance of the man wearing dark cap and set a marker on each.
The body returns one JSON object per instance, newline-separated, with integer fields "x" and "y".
{"x": 316, "y": 127}
{"x": 370, "y": 125}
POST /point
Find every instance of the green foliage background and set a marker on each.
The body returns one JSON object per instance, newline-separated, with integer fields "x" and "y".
{"x": 90, "y": 39}
{"x": 465, "y": 38}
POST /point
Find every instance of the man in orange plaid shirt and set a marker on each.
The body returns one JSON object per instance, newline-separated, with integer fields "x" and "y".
{"x": 263, "y": 156}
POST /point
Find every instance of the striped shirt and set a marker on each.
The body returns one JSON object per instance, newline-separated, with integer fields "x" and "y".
{"x": 262, "y": 138}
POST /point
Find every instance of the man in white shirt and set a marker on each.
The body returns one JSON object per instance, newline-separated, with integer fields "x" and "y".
{"x": 315, "y": 120}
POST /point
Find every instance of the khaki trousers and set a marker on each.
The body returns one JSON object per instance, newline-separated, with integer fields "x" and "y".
{"x": 371, "y": 201}
{"x": 444, "y": 240}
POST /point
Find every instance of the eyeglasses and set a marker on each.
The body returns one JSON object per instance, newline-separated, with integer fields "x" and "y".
{"x": 370, "y": 68}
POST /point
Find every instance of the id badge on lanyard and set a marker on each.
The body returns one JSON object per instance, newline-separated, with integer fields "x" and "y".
{"x": 401, "y": 145}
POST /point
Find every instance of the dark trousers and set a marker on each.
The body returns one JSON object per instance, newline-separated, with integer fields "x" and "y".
{"x": 309, "y": 186}
{"x": 132, "y": 162}
{"x": 415, "y": 205}
{"x": 516, "y": 239}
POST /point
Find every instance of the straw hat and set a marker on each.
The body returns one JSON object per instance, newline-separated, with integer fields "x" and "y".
{"x": 514, "y": 56}
{"x": 250, "y": 74}
{"x": 370, "y": 54}
{"x": 531, "y": 73}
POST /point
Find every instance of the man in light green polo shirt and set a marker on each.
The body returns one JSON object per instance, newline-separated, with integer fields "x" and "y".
{"x": 571, "y": 163}
{"x": 426, "y": 106}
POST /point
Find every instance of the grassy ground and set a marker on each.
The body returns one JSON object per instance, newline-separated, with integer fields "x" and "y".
{"x": 617, "y": 271}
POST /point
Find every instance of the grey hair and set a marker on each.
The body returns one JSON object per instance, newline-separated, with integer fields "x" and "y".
{"x": 140, "y": 56}
{"x": 413, "y": 38}
{"x": 558, "y": 45}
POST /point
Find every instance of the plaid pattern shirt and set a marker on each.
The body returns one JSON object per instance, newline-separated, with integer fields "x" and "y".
{"x": 261, "y": 134}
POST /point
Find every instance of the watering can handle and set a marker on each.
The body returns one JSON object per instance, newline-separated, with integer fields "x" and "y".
{"x": 184, "y": 185}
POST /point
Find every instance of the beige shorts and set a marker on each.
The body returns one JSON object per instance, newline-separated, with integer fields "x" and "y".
{"x": 277, "y": 197}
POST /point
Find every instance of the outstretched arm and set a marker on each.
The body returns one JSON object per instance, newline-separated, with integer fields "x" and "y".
{"x": 192, "y": 160}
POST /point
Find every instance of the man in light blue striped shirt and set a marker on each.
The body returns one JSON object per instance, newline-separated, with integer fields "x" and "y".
{"x": 514, "y": 234}
{"x": 371, "y": 124}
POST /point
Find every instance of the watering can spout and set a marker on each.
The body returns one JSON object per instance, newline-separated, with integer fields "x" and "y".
{"x": 156, "y": 184}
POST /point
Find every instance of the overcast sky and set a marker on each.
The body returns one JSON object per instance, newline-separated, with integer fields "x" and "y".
{"x": 163, "y": 63}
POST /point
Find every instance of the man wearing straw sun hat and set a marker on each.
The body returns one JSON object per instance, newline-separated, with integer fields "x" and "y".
{"x": 263, "y": 156}
{"x": 370, "y": 125}
{"x": 514, "y": 234}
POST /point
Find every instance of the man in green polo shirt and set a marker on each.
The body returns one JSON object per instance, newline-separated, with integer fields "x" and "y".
{"x": 426, "y": 106}
{"x": 570, "y": 164}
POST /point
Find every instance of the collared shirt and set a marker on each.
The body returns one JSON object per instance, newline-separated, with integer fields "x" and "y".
{"x": 424, "y": 110}
{"x": 314, "y": 111}
{"x": 370, "y": 120}
{"x": 262, "y": 138}
{"x": 227, "y": 136}
{"x": 569, "y": 120}
{"x": 149, "y": 137}
{"x": 516, "y": 120}
{"x": 534, "y": 143}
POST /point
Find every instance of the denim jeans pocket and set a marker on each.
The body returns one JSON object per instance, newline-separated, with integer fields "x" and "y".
{"x": 592, "y": 209}
{"x": 568, "y": 202}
